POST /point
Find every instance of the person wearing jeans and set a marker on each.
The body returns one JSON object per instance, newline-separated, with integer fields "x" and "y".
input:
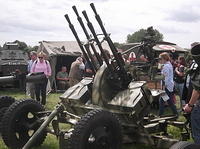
{"x": 170, "y": 103}
{"x": 167, "y": 72}
{"x": 41, "y": 65}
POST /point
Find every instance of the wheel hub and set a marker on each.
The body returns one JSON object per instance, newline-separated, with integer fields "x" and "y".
{"x": 100, "y": 139}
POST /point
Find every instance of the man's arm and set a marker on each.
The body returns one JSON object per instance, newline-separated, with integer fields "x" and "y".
{"x": 181, "y": 72}
{"x": 58, "y": 77}
{"x": 29, "y": 67}
{"x": 48, "y": 69}
{"x": 62, "y": 79}
{"x": 89, "y": 70}
{"x": 195, "y": 96}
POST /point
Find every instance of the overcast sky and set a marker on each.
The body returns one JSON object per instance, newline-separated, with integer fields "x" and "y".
{"x": 36, "y": 20}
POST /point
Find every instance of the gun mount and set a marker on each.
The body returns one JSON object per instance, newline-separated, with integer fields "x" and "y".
{"x": 101, "y": 111}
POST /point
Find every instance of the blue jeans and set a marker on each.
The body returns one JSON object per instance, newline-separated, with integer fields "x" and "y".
{"x": 195, "y": 123}
{"x": 179, "y": 87}
{"x": 170, "y": 103}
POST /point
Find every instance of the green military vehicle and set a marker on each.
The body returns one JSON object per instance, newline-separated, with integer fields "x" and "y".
{"x": 99, "y": 113}
{"x": 12, "y": 59}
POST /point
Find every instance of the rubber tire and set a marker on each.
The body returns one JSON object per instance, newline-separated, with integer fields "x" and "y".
{"x": 185, "y": 145}
{"x": 9, "y": 121}
{"x": 2, "y": 112}
{"x": 89, "y": 121}
{"x": 6, "y": 101}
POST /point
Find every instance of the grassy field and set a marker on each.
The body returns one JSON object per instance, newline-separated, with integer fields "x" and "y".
{"x": 51, "y": 141}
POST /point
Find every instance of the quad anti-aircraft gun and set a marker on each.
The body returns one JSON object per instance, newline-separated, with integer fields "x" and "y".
{"x": 101, "y": 112}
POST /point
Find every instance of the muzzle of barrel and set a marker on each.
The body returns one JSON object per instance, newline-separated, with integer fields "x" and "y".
{"x": 195, "y": 51}
{"x": 36, "y": 78}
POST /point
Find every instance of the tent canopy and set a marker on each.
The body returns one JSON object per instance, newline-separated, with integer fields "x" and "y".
{"x": 62, "y": 53}
{"x": 167, "y": 46}
{"x": 160, "y": 47}
{"x": 59, "y": 53}
{"x": 53, "y": 48}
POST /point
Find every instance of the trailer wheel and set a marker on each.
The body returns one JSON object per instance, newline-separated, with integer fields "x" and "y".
{"x": 2, "y": 112}
{"x": 185, "y": 145}
{"x": 5, "y": 102}
{"x": 97, "y": 129}
{"x": 20, "y": 122}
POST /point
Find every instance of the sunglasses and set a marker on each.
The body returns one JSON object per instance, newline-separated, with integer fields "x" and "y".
{"x": 40, "y": 57}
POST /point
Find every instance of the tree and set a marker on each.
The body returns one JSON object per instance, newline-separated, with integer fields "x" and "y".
{"x": 34, "y": 48}
{"x": 138, "y": 36}
{"x": 118, "y": 45}
{"x": 22, "y": 45}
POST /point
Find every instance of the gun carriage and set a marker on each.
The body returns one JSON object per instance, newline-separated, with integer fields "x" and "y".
{"x": 101, "y": 112}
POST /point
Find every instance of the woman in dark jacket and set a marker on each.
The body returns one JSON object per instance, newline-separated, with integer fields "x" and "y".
{"x": 179, "y": 78}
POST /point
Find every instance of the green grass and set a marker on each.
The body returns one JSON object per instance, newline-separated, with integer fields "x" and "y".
{"x": 51, "y": 141}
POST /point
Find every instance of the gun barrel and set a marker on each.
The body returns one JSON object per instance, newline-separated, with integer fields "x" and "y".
{"x": 87, "y": 35}
{"x": 93, "y": 8}
{"x": 90, "y": 26}
{"x": 71, "y": 26}
{"x": 7, "y": 79}
{"x": 120, "y": 69}
{"x": 90, "y": 55}
{"x": 75, "y": 10}
{"x": 81, "y": 22}
{"x": 116, "y": 54}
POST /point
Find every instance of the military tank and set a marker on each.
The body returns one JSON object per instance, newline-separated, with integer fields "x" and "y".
{"x": 12, "y": 59}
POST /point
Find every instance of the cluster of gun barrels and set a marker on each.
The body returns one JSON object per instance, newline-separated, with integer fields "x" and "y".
{"x": 118, "y": 67}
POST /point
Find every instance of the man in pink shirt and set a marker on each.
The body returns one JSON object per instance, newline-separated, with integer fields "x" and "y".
{"x": 41, "y": 65}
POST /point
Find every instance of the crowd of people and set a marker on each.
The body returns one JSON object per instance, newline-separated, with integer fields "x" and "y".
{"x": 78, "y": 70}
{"x": 39, "y": 64}
{"x": 175, "y": 82}
{"x": 173, "y": 69}
{"x": 184, "y": 79}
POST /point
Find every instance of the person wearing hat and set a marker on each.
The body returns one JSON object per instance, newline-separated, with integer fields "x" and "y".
{"x": 193, "y": 106}
{"x": 30, "y": 89}
{"x": 41, "y": 65}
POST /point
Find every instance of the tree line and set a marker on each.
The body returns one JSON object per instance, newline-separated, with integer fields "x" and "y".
{"x": 23, "y": 46}
{"x": 137, "y": 36}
